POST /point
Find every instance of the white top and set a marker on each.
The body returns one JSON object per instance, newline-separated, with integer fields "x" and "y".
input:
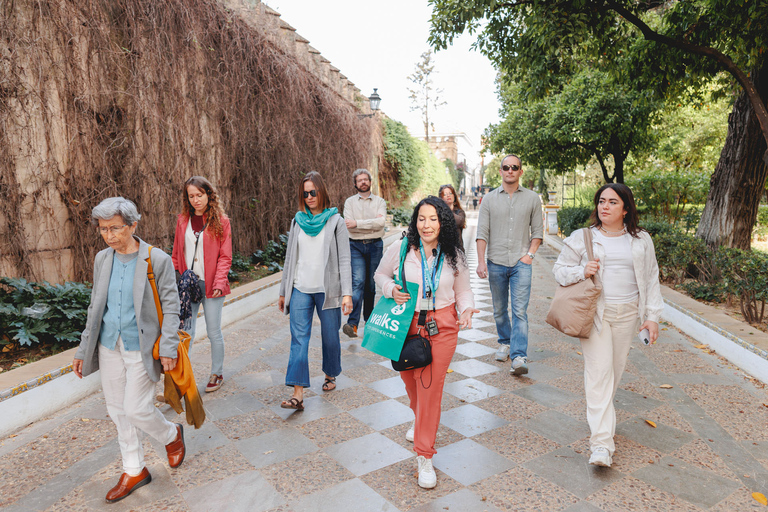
{"x": 620, "y": 283}
{"x": 189, "y": 249}
{"x": 310, "y": 267}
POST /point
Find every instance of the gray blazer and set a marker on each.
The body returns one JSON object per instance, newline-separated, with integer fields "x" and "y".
{"x": 338, "y": 264}
{"x": 143, "y": 302}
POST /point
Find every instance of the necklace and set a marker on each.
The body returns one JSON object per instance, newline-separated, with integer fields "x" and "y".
{"x": 614, "y": 233}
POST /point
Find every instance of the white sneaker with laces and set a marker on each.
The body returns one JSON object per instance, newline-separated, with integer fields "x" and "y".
{"x": 503, "y": 353}
{"x": 427, "y": 476}
{"x": 409, "y": 434}
{"x": 600, "y": 457}
{"x": 520, "y": 365}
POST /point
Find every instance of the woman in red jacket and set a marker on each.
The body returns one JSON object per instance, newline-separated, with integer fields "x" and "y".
{"x": 203, "y": 244}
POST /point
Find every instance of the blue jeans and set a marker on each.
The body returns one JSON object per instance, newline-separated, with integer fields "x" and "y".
{"x": 511, "y": 283}
{"x": 302, "y": 307}
{"x": 365, "y": 260}
{"x": 212, "y": 311}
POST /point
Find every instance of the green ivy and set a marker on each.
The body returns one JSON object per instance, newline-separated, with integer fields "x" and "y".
{"x": 42, "y": 313}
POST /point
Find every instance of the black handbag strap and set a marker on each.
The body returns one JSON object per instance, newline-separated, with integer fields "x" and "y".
{"x": 197, "y": 241}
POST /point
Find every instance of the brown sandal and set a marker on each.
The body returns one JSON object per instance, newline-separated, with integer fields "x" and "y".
{"x": 293, "y": 403}
{"x": 330, "y": 384}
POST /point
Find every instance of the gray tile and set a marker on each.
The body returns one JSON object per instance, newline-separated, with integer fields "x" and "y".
{"x": 368, "y": 453}
{"x": 200, "y": 440}
{"x": 538, "y": 354}
{"x": 232, "y": 405}
{"x": 246, "y": 491}
{"x": 559, "y": 427}
{"x": 480, "y": 304}
{"x": 277, "y": 361}
{"x": 479, "y": 323}
{"x": 475, "y": 335}
{"x": 547, "y": 395}
{"x": 274, "y": 447}
{"x": 315, "y": 407}
{"x": 473, "y": 349}
{"x": 676, "y": 477}
{"x": 383, "y": 415}
{"x": 349, "y": 495}
{"x": 541, "y": 372}
{"x": 463, "y": 501}
{"x": 583, "y": 506}
{"x": 758, "y": 449}
{"x": 571, "y": 471}
{"x": 342, "y": 382}
{"x": 468, "y": 462}
{"x": 472, "y": 367}
{"x": 483, "y": 314}
{"x": 393, "y": 387}
{"x": 349, "y": 361}
{"x": 663, "y": 438}
{"x": 469, "y": 420}
{"x": 257, "y": 381}
{"x": 699, "y": 378}
{"x": 633, "y": 402}
{"x": 471, "y": 390}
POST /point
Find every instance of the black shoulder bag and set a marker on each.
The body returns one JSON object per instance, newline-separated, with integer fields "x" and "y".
{"x": 417, "y": 350}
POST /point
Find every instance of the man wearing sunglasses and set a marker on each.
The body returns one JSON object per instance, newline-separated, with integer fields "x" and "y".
{"x": 365, "y": 215}
{"x": 510, "y": 229}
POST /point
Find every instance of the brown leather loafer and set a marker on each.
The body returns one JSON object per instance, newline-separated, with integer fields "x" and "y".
{"x": 127, "y": 484}
{"x": 176, "y": 449}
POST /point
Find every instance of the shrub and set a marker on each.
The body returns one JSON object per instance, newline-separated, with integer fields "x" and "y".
{"x": 401, "y": 216}
{"x": 273, "y": 255}
{"x": 761, "y": 227}
{"x": 42, "y": 313}
{"x": 571, "y": 218}
{"x": 666, "y": 193}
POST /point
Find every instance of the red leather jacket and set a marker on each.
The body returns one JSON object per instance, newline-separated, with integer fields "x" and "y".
{"x": 217, "y": 255}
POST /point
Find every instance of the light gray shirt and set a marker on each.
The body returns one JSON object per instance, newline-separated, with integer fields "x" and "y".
{"x": 369, "y": 212}
{"x": 508, "y": 224}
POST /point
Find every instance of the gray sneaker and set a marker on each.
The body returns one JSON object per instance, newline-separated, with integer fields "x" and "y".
{"x": 503, "y": 353}
{"x": 519, "y": 365}
{"x": 350, "y": 330}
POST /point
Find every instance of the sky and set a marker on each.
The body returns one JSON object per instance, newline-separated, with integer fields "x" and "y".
{"x": 378, "y": 44}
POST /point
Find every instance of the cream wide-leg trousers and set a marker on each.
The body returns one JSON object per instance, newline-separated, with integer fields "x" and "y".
{"x": 129, "y": 393}
{"x": 605, "y": 356}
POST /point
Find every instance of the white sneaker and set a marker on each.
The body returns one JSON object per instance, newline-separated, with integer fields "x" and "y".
{"x": 503, "y": 353}
{"x": 600, "y": 457}
{"x": 520, "y": 365}
{"x": 409, "y": 434}
{"x": 427, "y": 476}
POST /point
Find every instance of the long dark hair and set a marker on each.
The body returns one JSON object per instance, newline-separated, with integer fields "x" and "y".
{"x": 631, "y": 219}
{"x": 448, "y": 238}
{"x": 456, "y": 202}
{"x": 214, "y": 212}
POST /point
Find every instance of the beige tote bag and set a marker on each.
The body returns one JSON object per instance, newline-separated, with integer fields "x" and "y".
{"x": 573, "y": 309}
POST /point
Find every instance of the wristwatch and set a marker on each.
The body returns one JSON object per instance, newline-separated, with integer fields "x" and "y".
{"x": 531, "y": 255}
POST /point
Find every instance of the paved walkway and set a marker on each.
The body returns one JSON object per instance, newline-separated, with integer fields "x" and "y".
{"x": 505, "y": 443}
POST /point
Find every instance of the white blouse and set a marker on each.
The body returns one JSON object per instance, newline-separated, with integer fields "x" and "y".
{"x": 310, "y": 267}
{"x": 189, "y": 252}
{"x": 621, "y": 286}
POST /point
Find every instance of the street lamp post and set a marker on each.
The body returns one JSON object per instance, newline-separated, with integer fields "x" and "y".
{"x": 375, "y": 100}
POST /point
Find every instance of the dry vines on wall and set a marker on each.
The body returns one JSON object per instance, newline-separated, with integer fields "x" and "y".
{"x": 130, "y": 97}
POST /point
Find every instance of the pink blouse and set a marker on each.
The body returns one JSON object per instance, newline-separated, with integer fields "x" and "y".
{"x": 452, "y": 288}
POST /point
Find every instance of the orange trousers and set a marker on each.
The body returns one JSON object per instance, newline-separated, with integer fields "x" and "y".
{"x": 425, "y": 385}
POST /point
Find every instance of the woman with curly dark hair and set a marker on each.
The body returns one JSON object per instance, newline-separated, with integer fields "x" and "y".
{"x": 432, "y": 241}
{"x": 210, "y": 259}
{"x": 448, "y": 194}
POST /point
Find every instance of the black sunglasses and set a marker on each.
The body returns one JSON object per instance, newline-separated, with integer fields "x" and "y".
{"x": 312, "y": 193}
{"x": 507, "y": 168}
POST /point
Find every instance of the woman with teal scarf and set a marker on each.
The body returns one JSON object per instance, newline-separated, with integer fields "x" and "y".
{"x": 317, "y": 276}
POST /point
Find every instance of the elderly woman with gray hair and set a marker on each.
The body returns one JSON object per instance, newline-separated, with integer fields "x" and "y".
{"x": 119, "y": 336}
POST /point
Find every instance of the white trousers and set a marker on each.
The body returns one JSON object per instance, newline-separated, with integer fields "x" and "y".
{"x": 605, "y": 357}
{"x": 129, "y": 393}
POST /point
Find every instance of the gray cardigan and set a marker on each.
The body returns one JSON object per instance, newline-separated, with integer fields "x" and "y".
{"x": 143, "y": 302}
{"x": 338, "y": 264}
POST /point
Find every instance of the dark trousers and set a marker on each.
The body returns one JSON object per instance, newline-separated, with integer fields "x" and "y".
{"x": 365, "y": 260}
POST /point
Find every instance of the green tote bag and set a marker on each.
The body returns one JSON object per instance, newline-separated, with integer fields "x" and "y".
{"x": 388, "y": 324}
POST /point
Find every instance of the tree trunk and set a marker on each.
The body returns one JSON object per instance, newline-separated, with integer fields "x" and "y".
{"x": 739, "y": 178}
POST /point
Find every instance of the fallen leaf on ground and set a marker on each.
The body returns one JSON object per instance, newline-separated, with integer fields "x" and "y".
{"x": 760, "y": 498}
{"x": 85, "y": 419}
{"x": 579, "y": 353}
{"x": 765, "y": 405}
{"x": 666, "y": 386}
{"x": 651, "y": 423}
{"x": 449, "y": 371}
{"x": 701, "y": 346}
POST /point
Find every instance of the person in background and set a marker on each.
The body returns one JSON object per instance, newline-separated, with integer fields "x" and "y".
{"x": 436, "y": 261}
{"x": 203, "y": 244}
{"x": 119, "y": 335}
{"x": 511, "y": 227}
{"x": 448, "y": 194}
{"x": 364, "y": 216}
{"x": 625, "y": 262}
{"x": 316, "y": 277}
